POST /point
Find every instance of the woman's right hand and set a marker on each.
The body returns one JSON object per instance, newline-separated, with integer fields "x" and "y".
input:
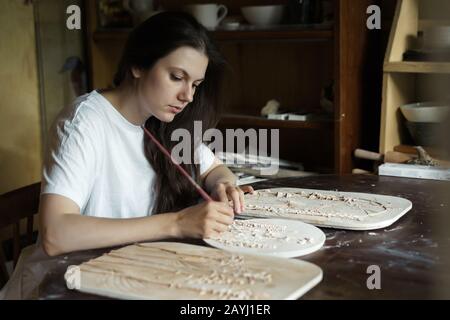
{"x": 204, "y": 220}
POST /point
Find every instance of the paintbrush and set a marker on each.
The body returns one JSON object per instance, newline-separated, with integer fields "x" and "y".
{"x": 202, "y": 192}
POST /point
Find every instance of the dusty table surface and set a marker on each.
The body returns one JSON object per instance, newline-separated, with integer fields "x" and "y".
{"x": 413, "y": 254}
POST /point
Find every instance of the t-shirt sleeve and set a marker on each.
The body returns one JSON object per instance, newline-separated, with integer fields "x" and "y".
{"x": 72, "y": 158}
{"x": 205, "y": 158}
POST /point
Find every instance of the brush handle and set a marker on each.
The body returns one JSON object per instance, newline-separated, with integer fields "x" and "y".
{"x": 167, "y": 154}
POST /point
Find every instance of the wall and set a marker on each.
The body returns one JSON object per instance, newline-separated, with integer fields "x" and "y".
{"x": 56, "y": 43}
{"x": 20, "y": 132}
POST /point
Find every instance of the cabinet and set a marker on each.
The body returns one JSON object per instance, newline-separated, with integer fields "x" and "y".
{"x": 289, "y": 63}
{"x": 408, "y": 81}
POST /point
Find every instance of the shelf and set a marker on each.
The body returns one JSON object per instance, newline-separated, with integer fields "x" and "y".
{"x": 273, "y": 34}
{"x": 243, "y": 34}
{"x": 417, "y": 67}
{"x": 260, "y": 122}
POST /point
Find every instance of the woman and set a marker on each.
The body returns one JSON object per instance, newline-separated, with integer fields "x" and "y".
{"x": 105, "y": 183}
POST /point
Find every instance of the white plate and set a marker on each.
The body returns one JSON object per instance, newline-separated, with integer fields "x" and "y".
{"x": 324, "y": 208}
{"x": 271, "y": 237}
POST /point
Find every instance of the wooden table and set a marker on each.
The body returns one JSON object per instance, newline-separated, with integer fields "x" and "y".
{"x": 412, "y": 254}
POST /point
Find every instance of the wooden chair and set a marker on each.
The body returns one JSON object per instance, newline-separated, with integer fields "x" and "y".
{"x": 16, "y": 205}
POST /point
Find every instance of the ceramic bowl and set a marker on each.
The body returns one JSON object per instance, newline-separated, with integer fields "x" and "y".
{"x": 425, "y": 111}
{"x": 263, "y": 15}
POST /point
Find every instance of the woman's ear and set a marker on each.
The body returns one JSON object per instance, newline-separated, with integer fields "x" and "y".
{"x": 136, "y": 72}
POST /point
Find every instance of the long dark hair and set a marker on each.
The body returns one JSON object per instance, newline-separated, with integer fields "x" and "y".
{"x": 152, "y": 40}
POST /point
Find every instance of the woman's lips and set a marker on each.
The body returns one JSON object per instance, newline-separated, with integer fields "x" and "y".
{"x": 175, "y": 110}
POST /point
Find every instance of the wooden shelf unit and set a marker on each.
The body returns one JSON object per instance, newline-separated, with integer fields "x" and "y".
{"x": 265, "y": 35}
{"x": 260, "y": 122}
{"x": 404, "y": 81}
{"x": 286, "y": 33}
{"x": 291, "y": 65}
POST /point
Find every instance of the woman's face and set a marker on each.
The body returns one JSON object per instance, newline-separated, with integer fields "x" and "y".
{"x": 166, "y": 89}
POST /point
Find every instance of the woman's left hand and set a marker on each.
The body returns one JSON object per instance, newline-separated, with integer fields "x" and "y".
{"x": 227, "y": 191}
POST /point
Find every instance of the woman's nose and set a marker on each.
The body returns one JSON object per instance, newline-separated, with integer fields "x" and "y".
{"x": 187, "y": 94}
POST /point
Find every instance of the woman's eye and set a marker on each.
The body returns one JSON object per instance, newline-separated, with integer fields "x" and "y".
{"x": 196, "y": 85}
{"x": 174, "y": 77}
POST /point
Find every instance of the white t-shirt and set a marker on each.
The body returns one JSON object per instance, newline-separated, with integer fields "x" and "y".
{"x": 96, "y": 158}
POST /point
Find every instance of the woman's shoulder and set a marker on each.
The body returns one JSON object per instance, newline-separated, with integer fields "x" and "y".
{"x": 85, "y": 110}
{"x": 81, "y": 119}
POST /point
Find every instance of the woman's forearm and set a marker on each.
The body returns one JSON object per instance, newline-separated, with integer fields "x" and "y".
{"x": 63, "y": 230}
{"x": 73, "y": 232}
